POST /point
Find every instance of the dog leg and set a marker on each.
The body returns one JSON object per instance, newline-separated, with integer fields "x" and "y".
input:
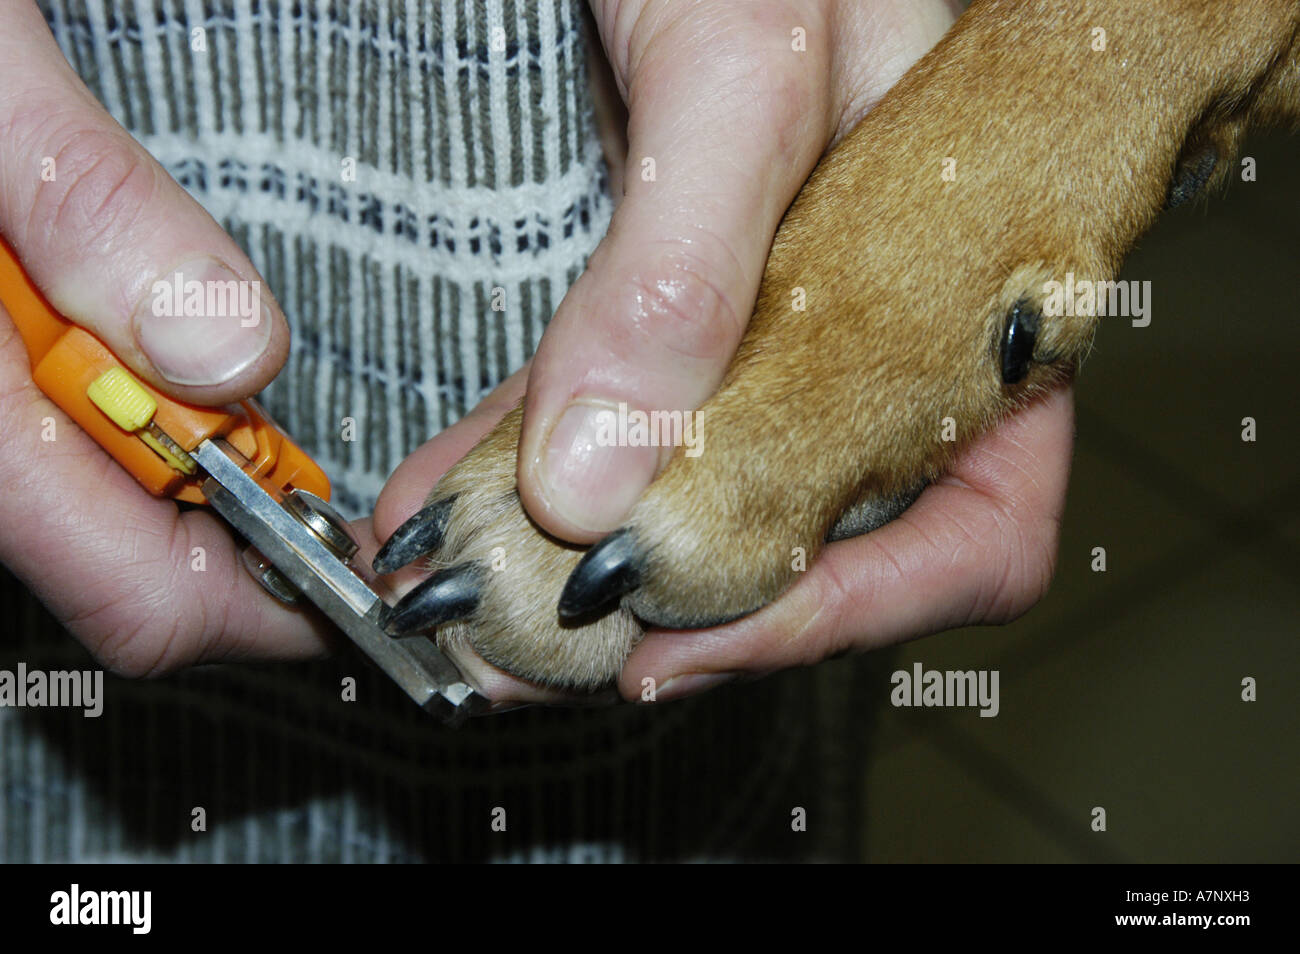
{"x": 925, "y": 319}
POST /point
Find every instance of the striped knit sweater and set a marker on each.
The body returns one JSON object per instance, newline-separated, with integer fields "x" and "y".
{"x": 391, "y": 167}
{"x": 387, "y": 165}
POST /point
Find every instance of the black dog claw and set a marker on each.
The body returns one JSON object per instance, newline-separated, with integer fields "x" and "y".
{"x": 421, "y": 534}
{"x": 607, "y": 571}
{"x": 1018, "y": 338}
{"x": 450, "y": 595}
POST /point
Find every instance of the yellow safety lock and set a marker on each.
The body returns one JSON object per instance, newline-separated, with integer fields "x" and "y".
{"x": 123, "y": 399}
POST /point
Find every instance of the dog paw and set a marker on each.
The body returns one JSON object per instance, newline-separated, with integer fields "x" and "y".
{"x": 797, "y": 450}
{"x": 496, "y": 577}
{"x": 805, "y": 443}
{"x": 566, "y": 616}
{"x": 906, "y": 307}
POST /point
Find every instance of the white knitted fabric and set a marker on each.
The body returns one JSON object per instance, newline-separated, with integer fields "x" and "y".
{"x": 467, "y": 126}
{"x": 388, "y": 165}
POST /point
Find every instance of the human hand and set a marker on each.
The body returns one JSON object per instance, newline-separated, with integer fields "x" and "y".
{"x": 730, "y": 120}
{"x": 96, "y": 223}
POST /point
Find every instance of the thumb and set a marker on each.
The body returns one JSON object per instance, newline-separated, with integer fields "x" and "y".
{"x": 115, "y": 244}
{"x": 722, "y": 131}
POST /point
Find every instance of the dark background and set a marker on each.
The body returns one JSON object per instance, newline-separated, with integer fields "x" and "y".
{"x": 1123, "y": 689}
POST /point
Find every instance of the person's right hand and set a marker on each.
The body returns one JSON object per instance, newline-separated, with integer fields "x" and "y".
{"x": 96, "y": 222}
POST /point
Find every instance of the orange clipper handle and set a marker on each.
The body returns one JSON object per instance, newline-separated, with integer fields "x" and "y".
{"x": 68, "y": 360}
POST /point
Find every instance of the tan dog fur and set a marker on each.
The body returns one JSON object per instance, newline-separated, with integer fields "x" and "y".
{"x": 1064, "y": 156}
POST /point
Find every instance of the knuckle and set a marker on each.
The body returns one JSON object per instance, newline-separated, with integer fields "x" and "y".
{"x": 135, "y": 650}
{"x": 1026, "y": 572}
{"x": 682, "y": 310}
{"x": 133, "y": 653}
{"x": 101, "y": 187}
{"x": 838, "y": 618}
{"x": 131, "y": 623}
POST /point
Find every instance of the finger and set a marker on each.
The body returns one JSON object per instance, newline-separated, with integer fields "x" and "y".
{"x": 978, "y": 546}
{"x": 146, "y": 588}
{"x": 725, "y": 124}
{"x": 114, "y": 243}
{"x": 407, "y": 488}
{"x": 508, "y": 692}
{"x": 873, "y": 45}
